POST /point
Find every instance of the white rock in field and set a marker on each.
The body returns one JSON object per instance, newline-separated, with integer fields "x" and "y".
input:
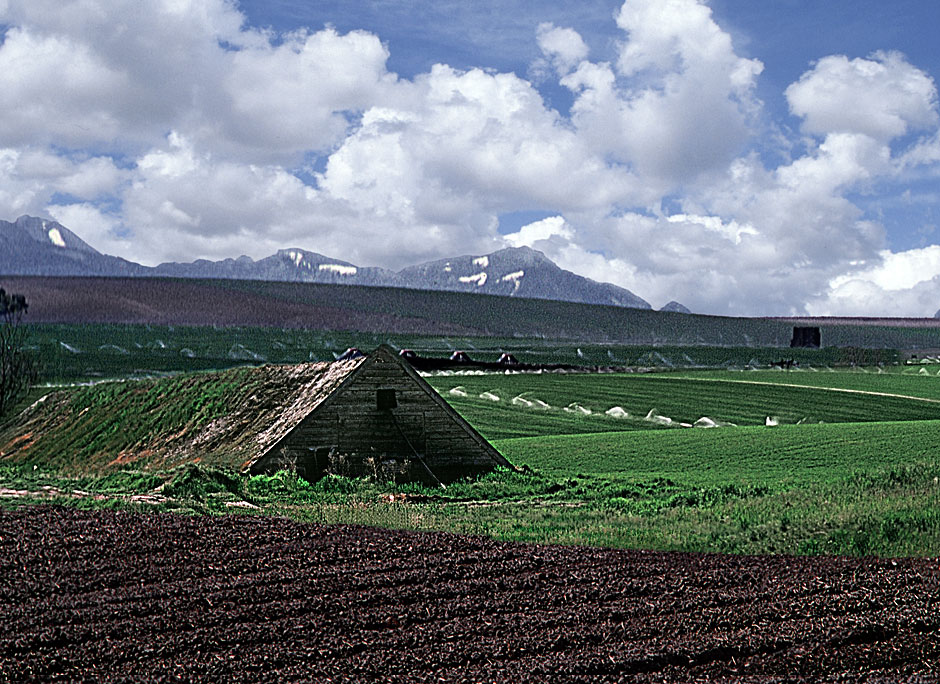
{"x": 575, "y": 407}
{"x": 705, "y": 422}
{"x": 489, "y": 396}
{"x": 458, "y": 391}
{"x": 617, "y": 412}
{"x": 770, "y": 421}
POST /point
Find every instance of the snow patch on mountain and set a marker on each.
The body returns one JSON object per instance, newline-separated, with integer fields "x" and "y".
{"x": 479, "y": 279}
{"x": 55, "y": 237}
{"x": 339, "y": 268}
{"x": 482, "y": 262}
{"x": 515, "y": 278}
{"x": 296, "y": 257}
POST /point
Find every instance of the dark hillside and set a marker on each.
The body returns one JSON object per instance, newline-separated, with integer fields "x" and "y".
{"x": 169, "y": 301}
{"x": 316, "y": 306}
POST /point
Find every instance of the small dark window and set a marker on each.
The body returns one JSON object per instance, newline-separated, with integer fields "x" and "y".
{"x": 385, "y": 399}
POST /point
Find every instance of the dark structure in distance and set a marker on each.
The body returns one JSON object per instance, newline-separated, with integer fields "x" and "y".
{"x": 806, "y": 336}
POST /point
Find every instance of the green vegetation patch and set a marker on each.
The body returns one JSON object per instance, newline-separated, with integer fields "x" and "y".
{"x": 858, "y": 484}
{"x": 888, "y": 511}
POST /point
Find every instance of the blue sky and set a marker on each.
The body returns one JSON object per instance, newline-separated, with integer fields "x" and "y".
{"x": 744, "y": 158}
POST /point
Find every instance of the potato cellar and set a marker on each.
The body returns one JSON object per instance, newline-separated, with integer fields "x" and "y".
{"x": 382, "y": 419}
{"x": 372, "y": 416}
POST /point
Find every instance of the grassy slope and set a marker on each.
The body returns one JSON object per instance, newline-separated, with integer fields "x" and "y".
{"x": 181, "y": 301}
{"x": 147, "y": 422}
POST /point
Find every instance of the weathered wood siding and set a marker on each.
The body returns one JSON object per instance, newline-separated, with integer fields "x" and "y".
{"x": 350, "y": 435}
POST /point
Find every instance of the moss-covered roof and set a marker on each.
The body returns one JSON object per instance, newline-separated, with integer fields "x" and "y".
{"x": 226, "y": 418}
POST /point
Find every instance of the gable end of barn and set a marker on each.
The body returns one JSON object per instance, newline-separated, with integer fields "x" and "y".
{"x": 385, "y": 421}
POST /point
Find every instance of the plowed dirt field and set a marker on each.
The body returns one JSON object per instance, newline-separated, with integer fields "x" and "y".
{"x": 161, "y": 597}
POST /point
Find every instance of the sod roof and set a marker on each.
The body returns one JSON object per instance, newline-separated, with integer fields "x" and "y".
{"x": 226, "y": 418}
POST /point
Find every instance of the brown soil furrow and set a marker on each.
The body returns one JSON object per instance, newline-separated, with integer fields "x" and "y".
{"x": 108, "y": 595}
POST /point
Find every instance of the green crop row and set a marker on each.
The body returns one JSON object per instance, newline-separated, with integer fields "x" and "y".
{"x": 776, "y": 457}
{"x": 911, "y": 381}
{"x": 502, "y": 406}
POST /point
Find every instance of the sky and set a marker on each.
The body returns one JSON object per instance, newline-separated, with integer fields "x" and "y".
{"x": 740, "y": 157}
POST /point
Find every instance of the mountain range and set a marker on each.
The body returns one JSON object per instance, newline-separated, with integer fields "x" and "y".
{"x": 37, "y": 246}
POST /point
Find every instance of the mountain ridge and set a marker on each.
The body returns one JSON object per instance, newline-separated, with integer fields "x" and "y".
{"x": 43, "y": 247}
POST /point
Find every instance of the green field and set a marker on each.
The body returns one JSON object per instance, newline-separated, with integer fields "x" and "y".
{"x": 772, "y": 458}
{"x": 852, "y": 467}
{"x": 913, "y": 381}
{"x": 683, "y": 398}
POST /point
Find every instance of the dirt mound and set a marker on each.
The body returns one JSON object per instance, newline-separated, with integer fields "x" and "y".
{"x": 122, "y": 596}
{"x": 226, "y": 418}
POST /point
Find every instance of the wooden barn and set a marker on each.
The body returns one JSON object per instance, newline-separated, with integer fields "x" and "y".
{"x": 382, "y": 420}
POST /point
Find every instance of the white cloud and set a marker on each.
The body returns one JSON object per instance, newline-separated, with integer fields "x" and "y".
{"x": 122, "y": 73}
{"x": 896, "y": 271}
{"x": 677, "y": 103}
{"x": 883, "y": 97}
{"x": 57, "y": 90}
{"x": 193, "y": 130}
{"x": 292, "y": 96}
{"x": 533, "y": 234}
{"x": 564, "y": 47}
{"x": 29, "y": 177}
{"x": 17, "y": 195}
{"x": 731, "y": 230}
{"x": 464, "y": 146}
{"x": 892, "y": 284}
{"x": 210, "y": 206}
